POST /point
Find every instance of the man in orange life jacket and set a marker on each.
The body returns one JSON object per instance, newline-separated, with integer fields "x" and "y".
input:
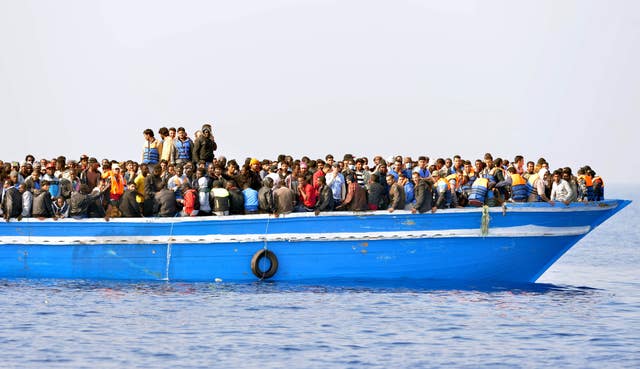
{"x": 516, "y": 183}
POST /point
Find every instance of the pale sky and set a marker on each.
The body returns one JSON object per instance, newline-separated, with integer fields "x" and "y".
{"x": 557, "y": 79}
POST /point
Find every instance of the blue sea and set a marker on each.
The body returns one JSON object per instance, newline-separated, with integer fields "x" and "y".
{"x": 583, "y": 313}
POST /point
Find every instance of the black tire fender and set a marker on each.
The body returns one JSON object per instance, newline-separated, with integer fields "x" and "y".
{"x": 255, "y": 264}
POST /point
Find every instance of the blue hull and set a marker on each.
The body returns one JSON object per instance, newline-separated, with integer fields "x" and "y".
{"x": 519, "y": 244}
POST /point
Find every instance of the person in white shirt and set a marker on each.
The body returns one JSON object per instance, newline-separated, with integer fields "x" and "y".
{"x": 560, "y": 190}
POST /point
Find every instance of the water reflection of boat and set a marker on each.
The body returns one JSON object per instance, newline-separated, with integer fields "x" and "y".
{"x": 516, "y": 243}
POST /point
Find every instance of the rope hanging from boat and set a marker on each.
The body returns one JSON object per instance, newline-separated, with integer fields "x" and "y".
{"x": 166, "y": 278}
{"x": 484, "y": 224}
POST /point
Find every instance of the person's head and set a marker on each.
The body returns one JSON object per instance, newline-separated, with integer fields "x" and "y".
{"x": 116, "y": 169}
{"x": 148, "y": 134}
{"x": 60, "y": 201}
{"x": 322, "y": 181}
{"x": 390, "y": 179}
{"x": 303, "y": 168}
{"x": 164, "y": 132}
{"x": 302, "y": 180}
{"x": 467, "y": 166}
{"x": 26, "y": 168}
{"x": 397, "y": 166}
{"x": 267, "y": 182}
{"x": 402, "y": 179}
{"x": 488, "y": 160}
{"x": 172, "y": 132}
{"x": 557, "y": 175}
{"x": 329, "y": 159}
{"x": 179, "y": 170}
{"x": 144, "y": 169}
{"x": 415, "y": 177}
{"x": 157, "y": 170}
{"x": 457, "y": 161}
{"x": 448, "y": 162}
{"x": 255, "y": 165}
{"x": 359, "y": 164}
{"x": 382, "y": 168}
{"x": 422, "y": 162}
{"x": 44, "y": 184}
{"x": 182, "y": 133}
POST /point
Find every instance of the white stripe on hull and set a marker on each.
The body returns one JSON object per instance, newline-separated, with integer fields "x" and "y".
{"x": 519, "y": 231}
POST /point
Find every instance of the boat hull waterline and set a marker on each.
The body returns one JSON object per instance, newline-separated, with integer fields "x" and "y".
{"x": 517, "y": 243}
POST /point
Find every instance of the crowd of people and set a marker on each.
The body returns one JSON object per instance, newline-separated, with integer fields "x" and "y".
{"x": 180, "y": 176}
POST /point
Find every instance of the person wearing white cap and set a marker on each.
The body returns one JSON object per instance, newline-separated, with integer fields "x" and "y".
{"x": 539, "y": 182}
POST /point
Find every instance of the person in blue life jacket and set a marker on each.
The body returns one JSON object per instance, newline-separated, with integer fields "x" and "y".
{"x": 151, "y": 150}
{"x": 183, "y": 147}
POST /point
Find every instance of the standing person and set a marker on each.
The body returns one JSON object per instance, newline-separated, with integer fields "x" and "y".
{"x": 139, "y": 182}
{"x": 11, "y": 201}
{"x": 152, "y": 184}
{"x": 167, "y": 144}
{"x": 91, "y": 175}
{"x": 151, "y": 150}
{"x": 203, "y": 189}
{"x": 191, "y": 205}
{"x": 42, "y": 203}
{"x": 396, "y": 194}
{"x": 356, "y": 199}
{"x": 117, "y": 183}
{"x": 253, "y": 175}
{"x": 54, "y": 182}
{"x": 408, "y": 187}
{"x": 204, "y": 146}
{"x": 250, "y": 196}
{"x": 27, "y": 200}
{"x": 560, "y": 190}
{"x": 325, "y": 196}
{"x": 537, "y": 185}
{"x": 265, "y": 196}
{"x": 283, "y": 199}
{"x": 423, "y": 194}
{"x": 220, "y": 203}
{"x": 336, "y": 181}
{"x": 182, "y": 147}
{"x": 236, "y": 198}
{"x": 307, "y": 193}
